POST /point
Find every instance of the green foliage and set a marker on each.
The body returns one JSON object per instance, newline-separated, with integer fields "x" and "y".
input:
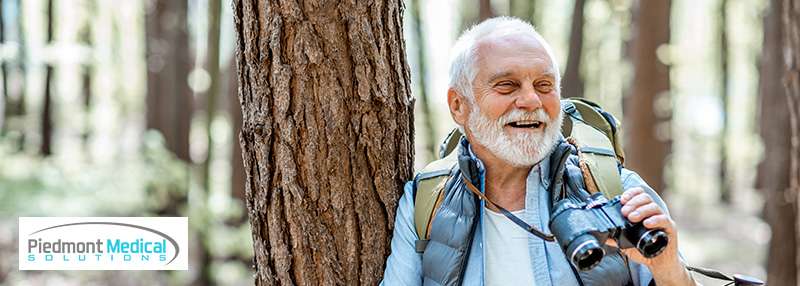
{"x": 64, "y": 186}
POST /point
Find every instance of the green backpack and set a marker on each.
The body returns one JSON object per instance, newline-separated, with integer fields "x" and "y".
{"x": 594, "y": 132}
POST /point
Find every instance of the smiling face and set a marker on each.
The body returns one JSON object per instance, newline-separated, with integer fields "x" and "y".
{"x": 515, "y": 112}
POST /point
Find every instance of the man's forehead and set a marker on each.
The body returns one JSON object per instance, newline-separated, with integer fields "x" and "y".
{"x": 494, "y": 53}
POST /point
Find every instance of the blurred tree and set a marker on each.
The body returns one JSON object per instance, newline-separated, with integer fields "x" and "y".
{"x": 212, "y": 94}
{"x": 485, "y": 10}
{"x": 647, "y": 110}
{"x": 85, "y": 37}
{"x": 3, "y": 69}
{"x": 573, "y": 81}
{"x": 169, "y": 60}
{"x": 724, "y": 183}
{"x": 45, "y": 147}
{"x": 327, "y": 136}
{"x": 773, "y": 171}
{"x": 791, "y": 78}
{"x": 15, "y": 109}
{"x": 523, "y": 9}
{"x": 212, "y": 66}
{"x": 422, "y": 70}
{"x": 235, "y": 113}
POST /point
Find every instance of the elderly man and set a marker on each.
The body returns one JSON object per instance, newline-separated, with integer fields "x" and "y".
{"x": 505, "y": 96}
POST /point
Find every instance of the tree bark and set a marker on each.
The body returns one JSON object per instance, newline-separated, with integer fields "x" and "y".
{"x": 773, "y": 171}
{"x": 573, "y": 81}
{"x": 169, "y": 98}
{"x": 326, "y": 139}
{"x": 645, "y": 123}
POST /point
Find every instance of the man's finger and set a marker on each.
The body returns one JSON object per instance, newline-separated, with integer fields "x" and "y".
{"x": 658, "y": 221}
{"x": 635, "y": 202}
{"x": 643, "y": 212}
{"x": 630, "y": 193}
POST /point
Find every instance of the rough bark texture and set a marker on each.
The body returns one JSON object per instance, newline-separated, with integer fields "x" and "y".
{"x": 573, "y": 81}
{"x": 327, "y": 136}
{"x": 645, "y": 150}
{"x": 169, "y": 60}
{"x": 773, "y": 171}
{"x": 791, "y": 78}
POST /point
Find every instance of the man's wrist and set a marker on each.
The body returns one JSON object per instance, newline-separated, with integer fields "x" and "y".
{"x": 674, "y": 273}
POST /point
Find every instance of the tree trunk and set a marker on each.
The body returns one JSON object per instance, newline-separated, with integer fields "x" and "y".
{"x": 646, "y": 124}
{"x": 421, "y": 71}
{"x": 85, "y": 38}
{"x": 46, "y": 131}
{"x": 15, "y": 108}
{"x": 773, "y": 171}
{"x": 791, "y": 79}
{"x": 169, "y": 60}
{"x": 3, "y": 71}
{"x": 205, "y": 257}
{"x": 485, "y": 10}
{"x": 725, "y": 190}
{"x": 212, "y": 66}
{"x": 573, "y": 81}
{"x": 523, "y": 9}
{"x": 326, "y": 97}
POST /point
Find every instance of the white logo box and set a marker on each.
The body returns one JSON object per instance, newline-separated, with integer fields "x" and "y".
{"x": 103, "y": 243}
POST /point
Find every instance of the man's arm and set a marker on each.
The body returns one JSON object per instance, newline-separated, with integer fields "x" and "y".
{"x": 642, "y": 203}
{"x": 404, "y": 265}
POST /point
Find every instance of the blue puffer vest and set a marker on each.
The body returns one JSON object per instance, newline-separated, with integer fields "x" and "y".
{"x": 452, "y": 229}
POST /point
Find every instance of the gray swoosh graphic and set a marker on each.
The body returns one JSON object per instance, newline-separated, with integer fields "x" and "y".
{"x": 171, "y": 240}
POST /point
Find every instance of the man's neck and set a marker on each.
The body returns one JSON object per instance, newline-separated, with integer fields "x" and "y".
{"x": 505, "y": 183}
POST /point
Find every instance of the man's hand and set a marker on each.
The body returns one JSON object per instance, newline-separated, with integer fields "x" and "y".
{"x": 667, "y": 267}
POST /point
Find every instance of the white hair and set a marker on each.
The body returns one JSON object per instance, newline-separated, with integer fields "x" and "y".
{"x": 463, "y": 59}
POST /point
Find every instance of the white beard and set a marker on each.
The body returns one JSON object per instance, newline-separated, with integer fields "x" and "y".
{"x": 520, "y": 150}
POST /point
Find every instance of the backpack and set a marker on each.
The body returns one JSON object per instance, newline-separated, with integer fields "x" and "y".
{"x": 595, "y": 133}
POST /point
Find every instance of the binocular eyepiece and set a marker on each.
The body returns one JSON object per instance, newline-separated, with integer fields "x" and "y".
{"x": 582, "y": 229}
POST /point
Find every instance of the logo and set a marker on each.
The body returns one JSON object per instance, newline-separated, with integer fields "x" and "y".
{"x": 103, "y": 243}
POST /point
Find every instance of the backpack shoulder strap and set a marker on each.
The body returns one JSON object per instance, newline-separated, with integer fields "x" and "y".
{"x": 596, "y": 137}
{"x": 428, "y": 193}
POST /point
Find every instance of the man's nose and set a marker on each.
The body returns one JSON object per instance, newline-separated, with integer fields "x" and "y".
{"x": 528, "y": 99}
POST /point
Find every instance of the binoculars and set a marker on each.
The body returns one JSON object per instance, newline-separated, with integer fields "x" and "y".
{"x": 582, "y": 228}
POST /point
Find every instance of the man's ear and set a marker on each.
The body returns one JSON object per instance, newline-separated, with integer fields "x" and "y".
{"x": 459, "y": 108}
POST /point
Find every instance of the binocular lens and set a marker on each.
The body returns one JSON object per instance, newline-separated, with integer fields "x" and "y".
{"x": 652, "y": 243}
{"x": 586, "y": 252}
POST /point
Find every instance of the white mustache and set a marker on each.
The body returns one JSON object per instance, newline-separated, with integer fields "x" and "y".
{"x": 519, "y": 115}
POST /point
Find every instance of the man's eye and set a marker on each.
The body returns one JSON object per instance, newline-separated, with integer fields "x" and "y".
{"x": 544, "y": 87}
{"x": 505, "y": 87}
